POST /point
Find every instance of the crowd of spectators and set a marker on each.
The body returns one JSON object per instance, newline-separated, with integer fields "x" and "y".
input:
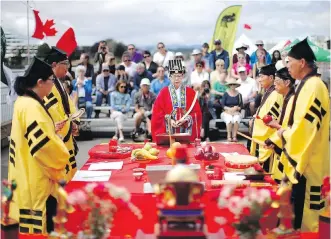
{"x": 226, "y": 85}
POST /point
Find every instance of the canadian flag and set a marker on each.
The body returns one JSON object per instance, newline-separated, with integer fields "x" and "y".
{"x": 54, "y": 34}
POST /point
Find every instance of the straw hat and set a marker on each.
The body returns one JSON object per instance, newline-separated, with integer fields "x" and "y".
{"x": 232, "y": 81}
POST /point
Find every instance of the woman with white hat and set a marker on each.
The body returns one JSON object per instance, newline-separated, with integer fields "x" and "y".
{"x": 232, "y": 104}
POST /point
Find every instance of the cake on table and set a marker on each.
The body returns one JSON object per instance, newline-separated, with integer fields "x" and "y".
{"x": 239, "y": 162}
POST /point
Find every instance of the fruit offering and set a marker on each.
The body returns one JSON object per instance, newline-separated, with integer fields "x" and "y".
{"x": 145, "y": 153}
{"x": 172, "y": 150}
{"x": 266, "y": 119}
{"x": 206, "y": 152}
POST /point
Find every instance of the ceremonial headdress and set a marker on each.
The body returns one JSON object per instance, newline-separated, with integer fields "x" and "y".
{"x": 55, "y": 55}
{"x": 302, "y": 50}
{"x": 38, "y": 69}
{"x": 268, "y": 70}
{"x": 176, "y": 66}
{"x": 284, "y": 75}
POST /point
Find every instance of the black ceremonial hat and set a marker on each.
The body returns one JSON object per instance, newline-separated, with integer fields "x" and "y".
{"x": 285, "y": 75}
{"x": 268, "y": 70}
{"x": 55, "y": 55}
{"x": 38, "y": 69}
{"x": 176, "y": 66}
{"x": 302, "y": 50}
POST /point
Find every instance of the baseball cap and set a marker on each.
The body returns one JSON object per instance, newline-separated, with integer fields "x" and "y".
{"x": 145, "y": 81}
{"x": 241, "y": 69}
{"x": 105, "y": 67}
{"x": 196, "y": 52}
{"x": 218, "y": 41}
{"x": 205, "y": 45}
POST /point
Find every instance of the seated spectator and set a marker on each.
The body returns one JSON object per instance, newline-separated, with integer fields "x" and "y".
{"x": 197, "y": 57}
{"x": 241, "y": 63}
{"x": 215, "y": 75}
{"x": 130, "y": 67}
{"x": 105, "y": 85}
{"x": 232, "y": 104}
{"x": 206, "y": 102}
{"x": 206, "y": 55}
{"x": 260, "y": 63}
{"x": 100, "y": 56}
{"x": 186, "y": 79}
{"x": 144, "y": 100}
{"x": 199, "y": 75}
{"x": 241, "y": 49}
{"x": 110, "y": 59}
{"x": 160, "y": 82}
{"x": 220, "y": 86}
{"x": 150, "y": 65}
{"x": 248, "y": 90}
{"x": 122, "y": 75}
{"x": 85, "y": 61}
{"x": 260, "y": 47}
{"x": 140, "y": 74}
{"x": 135, "y": 56}
{"x": 120, "y": 105}
{"x": 218, "y": 53}
{"x": 162, "y": 56}
{"x": 82, "y": 91}
{"x": 276, "y": 57}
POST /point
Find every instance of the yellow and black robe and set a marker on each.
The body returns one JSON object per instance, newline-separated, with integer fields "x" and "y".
{"x": 60, "y": 106}
{"x": 37, "y": 161}
{"x": 307, "y": 150}
{"x": 279, "y": 161}
{"x": 270, "y": 105}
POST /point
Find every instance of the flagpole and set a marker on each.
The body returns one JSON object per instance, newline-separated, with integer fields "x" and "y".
{"x": 27, "y": 13}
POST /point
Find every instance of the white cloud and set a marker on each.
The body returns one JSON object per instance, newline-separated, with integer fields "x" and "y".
{"x": 145, "y": 22}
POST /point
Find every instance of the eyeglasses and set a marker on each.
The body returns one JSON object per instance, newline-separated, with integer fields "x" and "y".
{"x": 240, "y": 57}
{"x": 123, "y": 86}
{"x": 160, "y": 47}
{"x": 259, "y": 44}
{"x": 130, "y": 49}
{"x": 146, "y": 56}
{"x": 112, "y": 59}
{"x": 64, "y": 63}
{"x": 220, "y": 65}
{"x": 199, "y": 66}
{"x": 105, "y": 71}
{"x": 127, "y": 60}
{"x": 217, "y": 44}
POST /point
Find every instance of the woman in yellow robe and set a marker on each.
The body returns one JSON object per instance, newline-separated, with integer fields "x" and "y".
{"x": 270, "y": 105}
{"x": 306, "y": 139}
{"x": 37, "y": 155}
{"x": 60, "y": 106}
{"x": 284, "y": 85}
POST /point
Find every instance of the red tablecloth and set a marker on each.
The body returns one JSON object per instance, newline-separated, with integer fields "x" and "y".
{"x": 125, "y": 223}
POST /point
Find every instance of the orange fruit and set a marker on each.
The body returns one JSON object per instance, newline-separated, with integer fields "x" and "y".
{"x": 170, "y": 153}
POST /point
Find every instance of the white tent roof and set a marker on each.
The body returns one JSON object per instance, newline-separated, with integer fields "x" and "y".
{"x": 279, "y": 46}
{"x": 243, "y": 39}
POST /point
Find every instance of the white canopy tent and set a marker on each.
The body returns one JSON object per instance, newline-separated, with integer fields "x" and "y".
{"x": 243, "y": 39}
{"x": 279, "y": 46}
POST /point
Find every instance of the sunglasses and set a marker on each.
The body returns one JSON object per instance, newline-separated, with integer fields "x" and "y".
{"x": 259, "y": 45}
{"x": 146, "y": 56}
{"x": 105, "y": 71}
{"x": 217, "y": 44}
{"x": 130, "y": 49}
{"x": 112, "y": 59}
{"x": 127, "y": 60}
{"x": 160, "y": 47}
{"x": 122, "y": 86}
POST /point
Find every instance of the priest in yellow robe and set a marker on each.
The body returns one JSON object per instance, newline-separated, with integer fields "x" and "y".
{"x": 60, "y": 106}
{"x": 284, "y": 85}
{"x": 37, "y": 156}
{"x": 270, "y": 105}
{"x": 306, "y": 139}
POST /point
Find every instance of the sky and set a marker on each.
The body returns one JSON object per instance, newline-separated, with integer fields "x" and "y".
{"x": 174, "y": 22}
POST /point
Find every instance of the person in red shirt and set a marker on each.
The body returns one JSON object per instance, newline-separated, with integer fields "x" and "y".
{"x": 172, "y": 104}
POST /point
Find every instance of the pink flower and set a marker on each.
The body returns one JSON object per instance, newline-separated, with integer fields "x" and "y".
{"x": 221, "y": 220}
{"x": 227, "y": 191}
{"x": 235, "y": 205}
{"x": 77, "y": 197}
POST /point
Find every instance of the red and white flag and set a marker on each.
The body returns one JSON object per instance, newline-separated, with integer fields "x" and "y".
{"x": 55, "y": 34}
{"x": 246, "y": 26}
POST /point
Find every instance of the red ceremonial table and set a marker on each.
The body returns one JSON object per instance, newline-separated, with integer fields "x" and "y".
{"x": 126, "y": 224}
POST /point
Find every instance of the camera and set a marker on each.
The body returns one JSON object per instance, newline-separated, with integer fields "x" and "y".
{"x": 206, "y": 91}
{"x": 103, "y": 48}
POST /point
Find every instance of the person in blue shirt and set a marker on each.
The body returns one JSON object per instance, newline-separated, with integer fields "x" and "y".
{"x": 120, "y": 105}
{"x": 218, "y": 53}
{"x": 160, "y": 82}
{"x": 260, "y": 46}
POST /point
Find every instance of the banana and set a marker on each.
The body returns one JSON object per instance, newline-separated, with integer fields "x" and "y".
{"x": 134, "y": 152}
{"x": 145, "y": 154}
{"x": 154, "y": 151}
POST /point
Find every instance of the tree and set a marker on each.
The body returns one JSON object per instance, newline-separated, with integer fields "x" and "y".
{"x": 120, "y": 48}
{"x": 43, "y": 50}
